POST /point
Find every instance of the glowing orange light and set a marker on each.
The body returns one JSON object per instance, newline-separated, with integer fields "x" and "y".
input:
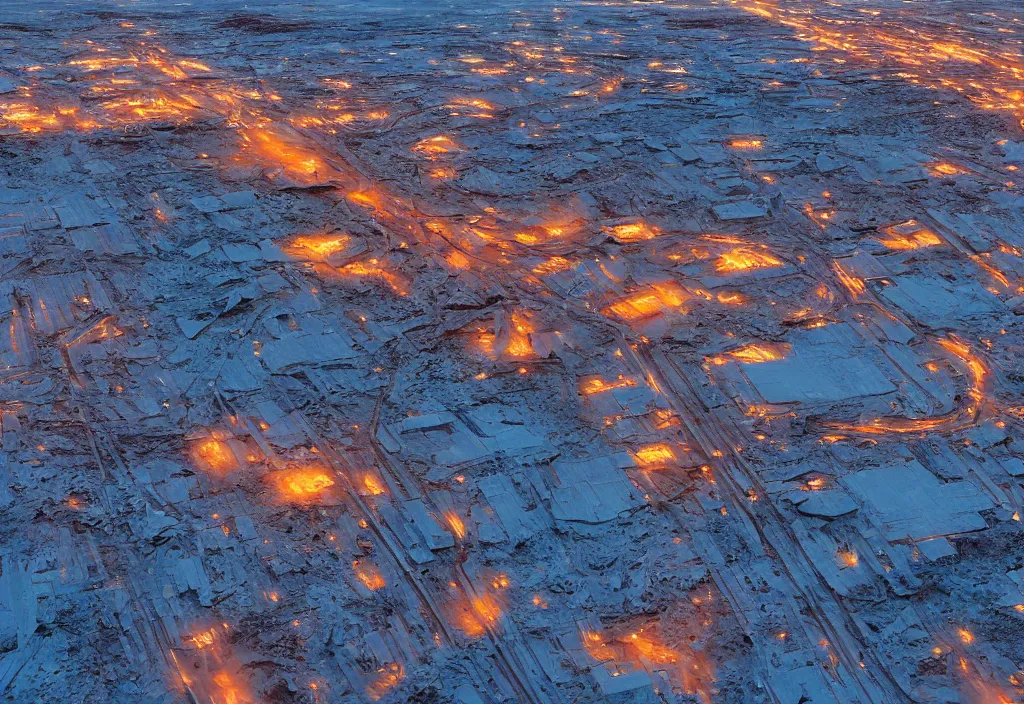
{"x": 552, "y": 266}
{"x": 755, "y": 353}
{"x": 372, "y": 269}
{"x": 454, "y": 521}
{"x": 634, "y": 232}
{"x": 946, "y": 169}
{"x": 388, "y": 677}
{"x": 373, "y": 485}
{"x": 656, "y": 455}
{"x": 732, "y": 298}
{"x": 848, "y": 558}
{"x": 640, "y": 648}
{"x": 474, "y": 616}
{"x": 274, "y": 147}
{"x": 745, "y": 259}
{"x": 318, "y": 247}
{"x": 649, "y": 301}
{"x": 442, "y": 173}
{"x": 303, "y": 484}
{"x": 596, "y": 385}
{"x": 746, "y": 143}
{"x": 900, "y": 239}
{"x": 194, "y": 65}
{"x": 487, "y": 608}
{"x": 204, "y": 639}
{"x": 215, "y": 454}
{"x": 368, "y": 575}
{"x": 852, "y": 284}
{"x": 519, "y": 337}
{"x": 958, "y": 417}
{"x": 457, "y": 259}
{"x": 441, "y": 144}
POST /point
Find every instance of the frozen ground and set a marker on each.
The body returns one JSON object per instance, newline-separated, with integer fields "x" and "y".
{"x": 511, "y": 352}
